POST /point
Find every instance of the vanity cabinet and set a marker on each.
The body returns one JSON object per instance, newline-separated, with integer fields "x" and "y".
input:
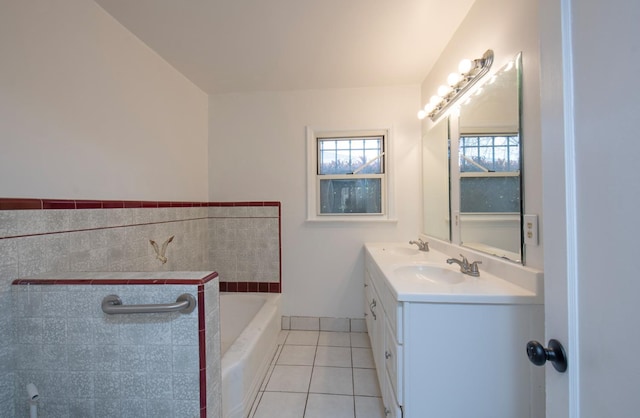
{"x": 452, "y": 360}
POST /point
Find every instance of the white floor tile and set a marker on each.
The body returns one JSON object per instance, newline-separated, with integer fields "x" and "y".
{"x": 333, "y": 406}
{"x": 289, "y": 379}
{"x": 365, "y": 382}
{"x": 282, "y": 336}
{"x": 302, "y": 337}
{"x": 335, "y": 339}
{"x": 316, "y": 375}
{"x": 297, "y": 355}
{"x": 281, "y": 405}
{"x": 360, "y": 339}
{"x": 362, "y": 358}
{"x": 369, "y": 407}
{"x": 333, "y": 380}
{"x": 263, "y": 385}
{"x": 333, "y": 356}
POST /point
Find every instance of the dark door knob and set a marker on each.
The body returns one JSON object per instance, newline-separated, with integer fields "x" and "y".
{"x": 539, "y": 355}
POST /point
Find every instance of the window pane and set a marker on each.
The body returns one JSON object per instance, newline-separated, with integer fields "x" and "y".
{"x": 490, "y": 194}
{"x": 351, "y": 196}
{"x": 500, "y": 153}
{"x": 349, "y": 155}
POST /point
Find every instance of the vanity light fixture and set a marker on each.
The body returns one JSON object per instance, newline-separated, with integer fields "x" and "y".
{"x": 469, "y": 73}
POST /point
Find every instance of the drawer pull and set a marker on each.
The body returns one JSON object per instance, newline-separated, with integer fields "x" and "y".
{"x": 371, "y": 306}
{"x": 387, "y": 355}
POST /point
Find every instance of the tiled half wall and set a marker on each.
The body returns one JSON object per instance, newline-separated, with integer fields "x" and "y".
{"x": 239, "y": 240}
{"x": 86, "y": 363}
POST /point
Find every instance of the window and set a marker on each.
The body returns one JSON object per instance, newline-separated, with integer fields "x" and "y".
{"x": 490, "y": 173}
{"x": 348, "y": 174}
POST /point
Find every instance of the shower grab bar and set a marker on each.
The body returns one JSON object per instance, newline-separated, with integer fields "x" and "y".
{"x": 112, "y": 304}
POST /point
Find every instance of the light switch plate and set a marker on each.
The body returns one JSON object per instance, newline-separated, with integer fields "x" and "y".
{"x": 530, "y": 229}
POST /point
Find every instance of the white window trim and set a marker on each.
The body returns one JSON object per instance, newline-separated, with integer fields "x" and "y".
{"x": 313, "y": 191}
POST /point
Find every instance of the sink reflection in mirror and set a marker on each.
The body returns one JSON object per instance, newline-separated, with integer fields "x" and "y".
{"x": 430, "y": 273}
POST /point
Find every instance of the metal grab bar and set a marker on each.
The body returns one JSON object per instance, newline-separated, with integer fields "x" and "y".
{"x": 112, "y": 304}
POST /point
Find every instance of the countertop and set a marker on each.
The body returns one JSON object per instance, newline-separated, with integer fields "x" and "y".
{"x": 485, "y": 289}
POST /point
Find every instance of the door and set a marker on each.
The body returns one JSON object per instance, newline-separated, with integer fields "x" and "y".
{"x": 590, "y": 68}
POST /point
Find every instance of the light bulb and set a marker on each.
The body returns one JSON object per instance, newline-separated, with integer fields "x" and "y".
{"x": 428, "y": 108}
{"x": 465, "y": 66}
{"x": 435, "y": 100}
{"x": 453, "y": 79}
{"x": 421, "y": 114}
{"x": 443, "y": 90}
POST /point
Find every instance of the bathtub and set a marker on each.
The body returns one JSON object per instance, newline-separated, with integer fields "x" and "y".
{"x": 249, "y": 328}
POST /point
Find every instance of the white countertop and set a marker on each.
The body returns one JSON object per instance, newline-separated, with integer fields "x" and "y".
{"x": 485, "y": 289}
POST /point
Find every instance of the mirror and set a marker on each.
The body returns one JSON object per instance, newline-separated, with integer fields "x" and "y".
{"x": 471, "y": 169}
{"x": 488, "y": 166}
{"x": 435, "y": 181}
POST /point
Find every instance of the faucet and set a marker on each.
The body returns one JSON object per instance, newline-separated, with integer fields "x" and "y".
{"x": 465, "y": 267}
{"x": 422, "y": 245}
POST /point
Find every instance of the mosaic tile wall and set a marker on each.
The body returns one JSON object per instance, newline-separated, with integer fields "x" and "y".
{"x": 38, "y": 236}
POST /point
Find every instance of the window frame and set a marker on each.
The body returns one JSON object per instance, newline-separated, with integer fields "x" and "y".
{"x": 314, "y": 178}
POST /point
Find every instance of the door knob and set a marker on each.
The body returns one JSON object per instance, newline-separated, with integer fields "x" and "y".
{"x": 539, "y": 355}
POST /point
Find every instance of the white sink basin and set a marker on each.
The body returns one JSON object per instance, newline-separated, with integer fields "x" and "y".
{"x": 430, "y": 273}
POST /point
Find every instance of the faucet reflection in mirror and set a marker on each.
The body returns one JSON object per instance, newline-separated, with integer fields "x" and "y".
{"x": 469, "y": 73}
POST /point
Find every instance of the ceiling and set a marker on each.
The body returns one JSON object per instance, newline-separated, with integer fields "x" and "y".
{"x": 254, "y": 45}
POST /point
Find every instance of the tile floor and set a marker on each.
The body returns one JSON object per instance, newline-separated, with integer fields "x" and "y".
{"x": 320, "y": 374}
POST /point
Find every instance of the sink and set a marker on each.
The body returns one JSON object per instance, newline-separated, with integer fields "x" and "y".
{"x": 430, "y": 273}
{"x": 401, "y": 250}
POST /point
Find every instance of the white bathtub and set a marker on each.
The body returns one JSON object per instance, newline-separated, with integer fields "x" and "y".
{"x": 249, "y": 328}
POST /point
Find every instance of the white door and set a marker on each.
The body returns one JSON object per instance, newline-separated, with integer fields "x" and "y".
{"x": 590, "y": 54}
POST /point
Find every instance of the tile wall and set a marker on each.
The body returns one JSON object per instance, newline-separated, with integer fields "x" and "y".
{"x": 45, "y": 236}
{"x": 89, "y": 364}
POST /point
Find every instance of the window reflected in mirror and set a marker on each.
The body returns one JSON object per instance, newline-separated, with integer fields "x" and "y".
{"x": 489, "y": 166}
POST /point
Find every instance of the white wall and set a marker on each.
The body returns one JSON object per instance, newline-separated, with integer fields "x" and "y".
{"x": 258, "y": 152}
{"x": 88, "y": 111}
{"x": 507, "y": 27}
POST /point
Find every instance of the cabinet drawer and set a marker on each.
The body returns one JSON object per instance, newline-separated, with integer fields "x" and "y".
{"x": 393, "y": 310}
{"x": 391, "y": 306}
{"x": 393, "y": 355}
{"x": 391, "y": 407}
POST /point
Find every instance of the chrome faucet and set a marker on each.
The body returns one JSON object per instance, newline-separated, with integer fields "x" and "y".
{"x": 422, "y": 245}
{"x": 465, "y": 267}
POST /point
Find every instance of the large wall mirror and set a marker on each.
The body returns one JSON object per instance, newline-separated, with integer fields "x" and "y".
{"x": 435, "y": 180}
{"x": 483, "y": 154}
